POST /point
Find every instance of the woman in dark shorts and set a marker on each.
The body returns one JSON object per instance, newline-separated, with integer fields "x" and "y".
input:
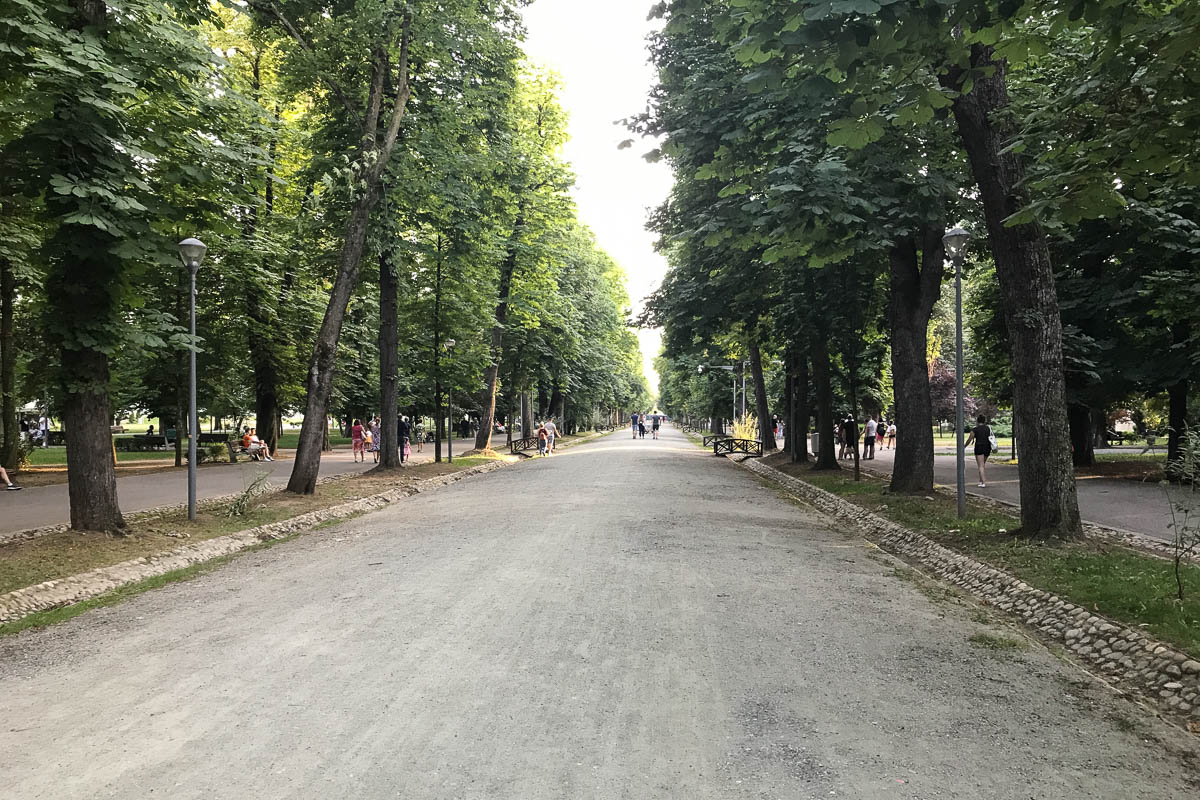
{"x": 981, "y": 436}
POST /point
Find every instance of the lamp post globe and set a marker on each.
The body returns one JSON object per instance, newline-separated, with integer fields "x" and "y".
{"x": 192, "y": 251}
{"x": 955, "y": 239}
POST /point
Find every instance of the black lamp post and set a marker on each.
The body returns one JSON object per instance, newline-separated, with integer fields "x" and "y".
{"x": 191, "y": 252}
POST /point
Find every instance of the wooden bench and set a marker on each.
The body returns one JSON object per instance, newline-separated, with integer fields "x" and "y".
{"x": 234, "y": 446}
{"x": 140, "y": 443}
{"x": 751, "y": 447}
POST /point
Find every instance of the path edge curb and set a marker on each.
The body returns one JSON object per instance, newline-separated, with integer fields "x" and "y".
{"x": 60, "y": 592}
{"x": 1124, "y": 656}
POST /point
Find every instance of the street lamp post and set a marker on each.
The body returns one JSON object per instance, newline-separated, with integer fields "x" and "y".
{"x": 700, "y": 370}
{"x": 955, "y": 240}
{"x": 449, "y": 345}
{"x": 191, "y": 252}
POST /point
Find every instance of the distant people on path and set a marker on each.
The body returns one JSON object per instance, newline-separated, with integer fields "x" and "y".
{"x": 868, "y": 452}
{"x": 849, "y": 437}
{"x": 357, "y": 441}
{"x": 418, "y": 433}
{"x": 543, "y": 437}
{"x": 981, "y": 437}
{"x": 879, "y": 429}
{"x": 641, "y": 427}
{"x": 655, "y": 423}
{"x": 43, "y": 428}
{"x": 9, "y": 485}
{"x": 634, "y": 423}
{"x": 551, "y": 434}
{"x": 891, "y": 435}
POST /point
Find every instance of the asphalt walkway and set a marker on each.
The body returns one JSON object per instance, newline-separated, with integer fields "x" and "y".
{"x": 626, "y": 619}
{"x": 40, "y": 506}
{"x": 1129, "y": 505}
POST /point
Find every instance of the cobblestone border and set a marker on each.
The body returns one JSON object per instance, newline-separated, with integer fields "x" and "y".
{"x": 1125, "y": 656}
{"x": 73, "y": 589}
{"x": 84, "y": 586}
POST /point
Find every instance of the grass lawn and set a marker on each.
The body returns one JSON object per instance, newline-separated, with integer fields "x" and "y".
{"x": 1118, "y": 582}
{"x": 59, "y": 555}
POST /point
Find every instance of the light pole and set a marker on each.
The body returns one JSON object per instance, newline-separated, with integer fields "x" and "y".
{"x": 700, "y": 370}
{"x": 449, "y": 345}
{"x": 954, "y": 241}
{"x": 191, "y": 252}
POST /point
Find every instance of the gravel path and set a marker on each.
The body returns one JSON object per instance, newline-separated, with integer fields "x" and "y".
{"x": 628, "y": 619}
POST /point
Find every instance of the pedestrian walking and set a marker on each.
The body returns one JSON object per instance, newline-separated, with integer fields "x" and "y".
{"x": 891, "y": 435}
{"x": 551, "y": 434}
{"x": 356, "y": 440}
{"x": 868, "y": 452}
{"x": 372, "y": 439}
{"x": 655, "y": 423}
{"x": 9, "y": 485}
{"x": 633, "y": 424}
{"x": 543, "y": 440}
{"x": 43, "y": 427}
{"x": 981, "y": 437}
{"x": 418, "y": 433}
{"x": 641, "y": 428}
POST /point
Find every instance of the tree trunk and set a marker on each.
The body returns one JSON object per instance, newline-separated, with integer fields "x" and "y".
{"x": 1176, "y": 418}
{"x": 826, "y": 452}
{"x": 801, "y": 410}
{"x": 319, "y": 382}
{"x": 766, "y": 431}
{"x": 915, "y": 285}
{"x": 91, "y": 478}
{"x": 389, "y": 358}
{"x": 526, "y": 415}
{"x": 8, "y": 366}
{"x": 1079, "y": 421}
{"x": 487, "y": 400}
{"x": 1049, "y": 506}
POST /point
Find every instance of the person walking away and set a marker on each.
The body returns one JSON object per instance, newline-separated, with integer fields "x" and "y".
{"x": 641, "y": 428}
{"x": 841, "y": 438}
{"x": 44, "y": 430}
{"x": 634, "y": 423}
{"x": 869, "y": 439}
{"x": 9, "y": 485}
{"x": 551, "y": 434}
{"x": 891, "y": 435}
{"x": 655, "y": 423}
{"x": 356, "y": 440}
{"x": 981, "y": 437}
{"x": 369, "y": 443}
{"x": 879, "y": 432}
{"x": 851, "y": 438}
{"x": 543, "y": 440}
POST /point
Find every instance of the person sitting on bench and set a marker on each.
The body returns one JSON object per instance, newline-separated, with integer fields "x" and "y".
{"x": 257, "y": 448}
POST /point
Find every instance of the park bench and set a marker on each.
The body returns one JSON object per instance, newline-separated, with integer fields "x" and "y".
{"x": 140, "y": 443}
{"x": 708, "y": 440}
{"x": 518, "y": 446}
{"x": 751, "y": 447}
{"x": 222, "y": 438}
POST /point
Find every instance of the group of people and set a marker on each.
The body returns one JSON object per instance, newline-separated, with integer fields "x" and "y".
{"x": 547, "y": 433}
{"x": 251, "y": 444}
{"x": 639, "y": 421}
{"x": 368, "y": 438}
{"x": 875, "y": 433}
{"x": 37, "y": 431}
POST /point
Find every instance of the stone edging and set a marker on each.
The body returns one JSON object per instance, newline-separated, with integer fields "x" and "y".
{"x": 75, "y": 588}
{"x": 1158, "y": 548}
{"x": 84, "y": 586}
{"x": 1125, "y": 656}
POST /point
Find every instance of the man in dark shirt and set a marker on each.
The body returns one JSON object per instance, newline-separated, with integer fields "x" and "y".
{"x": 402, "y": 433}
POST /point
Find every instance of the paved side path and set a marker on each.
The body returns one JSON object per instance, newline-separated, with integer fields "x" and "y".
{"x": 1129, "y": 505}
{"x": 39, "y": 506}
{"x": 627, "y": 619}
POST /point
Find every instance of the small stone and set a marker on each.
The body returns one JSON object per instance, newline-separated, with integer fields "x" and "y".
{"x": 1173, "y": 685}
{"x": 1191, "y": 667}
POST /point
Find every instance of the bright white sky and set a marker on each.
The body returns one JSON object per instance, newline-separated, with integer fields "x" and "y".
{"x": 599, "y": 49}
